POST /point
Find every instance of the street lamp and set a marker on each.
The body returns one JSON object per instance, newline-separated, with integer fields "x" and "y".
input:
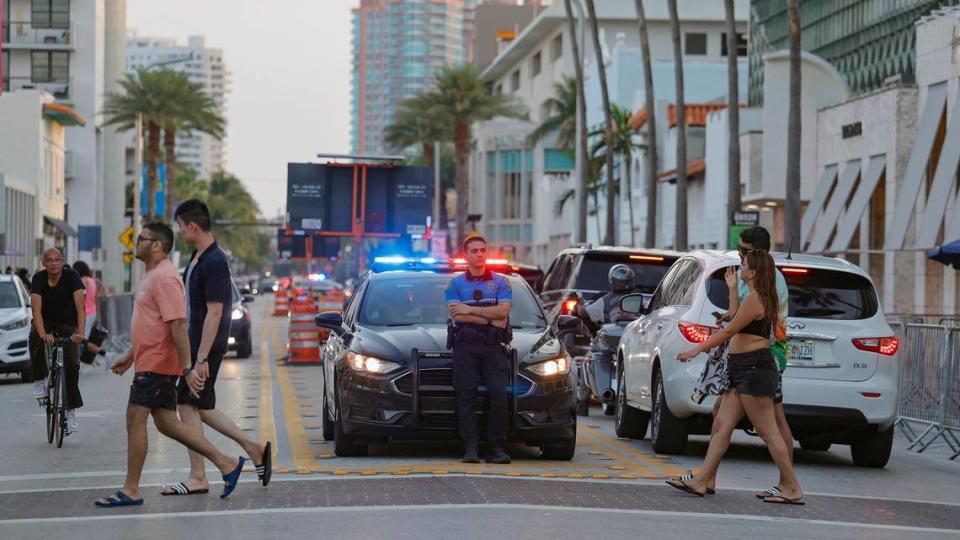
{"x": 138, "y": 166}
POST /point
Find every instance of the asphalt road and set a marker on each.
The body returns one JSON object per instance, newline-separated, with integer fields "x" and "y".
{"x": 612, "y": 488}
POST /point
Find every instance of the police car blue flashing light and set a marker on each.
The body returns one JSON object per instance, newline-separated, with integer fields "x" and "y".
{"x": 393, "y": 259}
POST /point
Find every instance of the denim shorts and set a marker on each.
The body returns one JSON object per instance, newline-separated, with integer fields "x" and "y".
{"x": 754, "y": 373}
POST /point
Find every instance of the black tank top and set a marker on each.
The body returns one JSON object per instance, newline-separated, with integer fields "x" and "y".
{"x": 759, "y": 327}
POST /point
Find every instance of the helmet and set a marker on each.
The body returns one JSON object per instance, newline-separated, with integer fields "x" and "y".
{"x": 621, "y": 278}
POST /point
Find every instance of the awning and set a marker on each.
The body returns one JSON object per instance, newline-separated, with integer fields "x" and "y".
{"x": 917, "y": 165}
{"x": 694, "y": 168}
{"x": 64, "y": 114}
{"x": 64, "y": 227}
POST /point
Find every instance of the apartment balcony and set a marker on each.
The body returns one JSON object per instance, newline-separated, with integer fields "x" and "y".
{"x": 24, "y": 35}
{"x": 60, "y": 89}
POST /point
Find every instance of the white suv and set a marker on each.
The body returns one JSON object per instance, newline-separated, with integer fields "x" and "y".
{"x": 15, "y": 321}
{"x": 840, "y": 385}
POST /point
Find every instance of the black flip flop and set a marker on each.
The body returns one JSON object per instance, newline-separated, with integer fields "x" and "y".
{"x": 780, "y": 499}
{"x": 265, "y": 469}
{"x": 687, "y": 477}
{"x": 182, "y": 489}
{"x": 682, "y": 486}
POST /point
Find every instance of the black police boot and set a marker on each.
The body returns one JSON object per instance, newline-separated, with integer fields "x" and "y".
{"x": 472, "y": 455}
{"x": 498, "y": 456}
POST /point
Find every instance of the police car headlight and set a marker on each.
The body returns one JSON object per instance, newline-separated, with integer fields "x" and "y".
{"x": 369, "y": 364}
{"x": 237, "y": 314}
{"x": 559, "y": 365}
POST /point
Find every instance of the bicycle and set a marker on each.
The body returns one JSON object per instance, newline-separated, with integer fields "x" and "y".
{"x": 53, "y": 401}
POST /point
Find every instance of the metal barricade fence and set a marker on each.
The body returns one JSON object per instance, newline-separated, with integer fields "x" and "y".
{"x": 115, "y": 312}
{"x": 928, "y": 367}
{"x": 951, "y": 396}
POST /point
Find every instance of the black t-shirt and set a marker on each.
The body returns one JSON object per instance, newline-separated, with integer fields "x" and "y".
{"x": 209, "y": 281}
{"x": 57, "y": 307}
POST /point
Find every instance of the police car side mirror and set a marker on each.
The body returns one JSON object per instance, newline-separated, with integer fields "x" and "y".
{"x": 331, "y": 320}
{"x": 635, "y": 303}
{"x": 247, "y": 298}
{"x": 567, "y": 324}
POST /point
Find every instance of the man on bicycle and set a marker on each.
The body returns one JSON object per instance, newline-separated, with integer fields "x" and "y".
{"x": 58, "y": 310}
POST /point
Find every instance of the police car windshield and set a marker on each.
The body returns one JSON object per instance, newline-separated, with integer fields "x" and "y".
{"x": 418, "y": 300}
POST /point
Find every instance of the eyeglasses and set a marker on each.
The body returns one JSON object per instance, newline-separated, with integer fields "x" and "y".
{"x": 145, "y": 239}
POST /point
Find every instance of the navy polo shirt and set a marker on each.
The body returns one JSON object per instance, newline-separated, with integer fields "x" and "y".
{"x": 488, "y": 288}
{"x": 209, "y": 281}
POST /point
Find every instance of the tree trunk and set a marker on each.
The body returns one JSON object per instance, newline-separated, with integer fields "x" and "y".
{"x": 428, "y": 155}
{"x": 170, "y": 161}
{"x": 581, "y": 138}
{"x": 610, "y": 236}
{"x": 628, "y": 174}
{"x": 650, "y": 105}
{"x": 680, "y": 241}
{"x": 461, "y": 144}
{"x": 792, "y": 228}
{"x": 153, "y": 155}
{"x": 733, "y": 117}
{"x": 596, "y": 213}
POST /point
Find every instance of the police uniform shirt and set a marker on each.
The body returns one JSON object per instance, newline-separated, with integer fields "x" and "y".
{"x": 488, "y": 288}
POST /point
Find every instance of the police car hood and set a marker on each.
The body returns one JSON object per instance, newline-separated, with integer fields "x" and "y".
{"x": 396, "y": 343}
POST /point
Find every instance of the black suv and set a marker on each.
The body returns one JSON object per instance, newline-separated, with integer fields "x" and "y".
{"x": 579, "y": 274}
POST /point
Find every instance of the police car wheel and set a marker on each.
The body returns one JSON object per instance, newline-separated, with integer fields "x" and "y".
{"x": 563, "y": 452}
{"x": 325, "y": 420}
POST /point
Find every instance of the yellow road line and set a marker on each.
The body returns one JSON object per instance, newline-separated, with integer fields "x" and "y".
{"x": 621, "y": 458}
{"x": 268, "y": 430}
{"x": 299, "y": 447}
{"x": 628, "y": 452}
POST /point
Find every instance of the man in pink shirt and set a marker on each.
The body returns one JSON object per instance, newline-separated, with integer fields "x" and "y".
{"x": 161, "y": 353}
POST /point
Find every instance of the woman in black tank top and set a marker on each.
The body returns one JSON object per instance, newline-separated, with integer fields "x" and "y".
{"x": 753, "y": 381}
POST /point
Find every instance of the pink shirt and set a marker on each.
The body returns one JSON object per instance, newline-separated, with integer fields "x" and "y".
{"x": 159, "y": 301}
{"x": 90, "y": 295}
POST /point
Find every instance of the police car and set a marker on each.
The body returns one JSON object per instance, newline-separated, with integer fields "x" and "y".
{"x": 388, "y": 374}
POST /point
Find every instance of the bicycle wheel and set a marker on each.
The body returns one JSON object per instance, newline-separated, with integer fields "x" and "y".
{"x": 61, "y": 408}
{"x": 56, "y": 410}
{"x": 48, "y": 405}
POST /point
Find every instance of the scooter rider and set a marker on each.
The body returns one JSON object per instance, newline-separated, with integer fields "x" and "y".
{"x": 606, "y": 309}
{"x": 479, "y": 303}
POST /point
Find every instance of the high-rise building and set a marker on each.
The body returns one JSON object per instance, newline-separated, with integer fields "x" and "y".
{"x": 68, "y": 49}
{"x": 398, "y": 48}
{"x": 205, "y": 66}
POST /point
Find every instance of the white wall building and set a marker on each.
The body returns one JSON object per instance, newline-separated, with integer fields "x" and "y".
{"x": 33, "y": 191}
{"x": 68, "y": 49}
{"x": 528, "y": 68}
{"x": 206, "y": 67}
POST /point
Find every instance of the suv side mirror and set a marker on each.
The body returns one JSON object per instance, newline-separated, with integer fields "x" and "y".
{"x": 567, "y": 324}
{"x": 331, "y": 320}
{"x": 636, "y": 303}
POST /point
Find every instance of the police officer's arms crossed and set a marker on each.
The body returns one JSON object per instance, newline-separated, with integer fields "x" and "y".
{"x": 495, "y": 315}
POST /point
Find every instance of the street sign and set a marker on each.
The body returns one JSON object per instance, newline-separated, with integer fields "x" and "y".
{"x": 127, "y": 257}
{"x": 414, "y": 230}
{"x": 746, "y": 218}
{"x": 126, "y": 239}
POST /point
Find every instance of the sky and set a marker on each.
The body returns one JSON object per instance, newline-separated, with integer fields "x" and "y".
{"x": 290, "y": 66}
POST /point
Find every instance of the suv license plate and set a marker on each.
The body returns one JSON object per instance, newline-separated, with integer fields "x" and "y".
{"x": 800, "y": 351}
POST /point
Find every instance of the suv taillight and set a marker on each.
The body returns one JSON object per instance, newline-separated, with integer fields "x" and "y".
{"x": 695, "y": 333}
{"x": 568, "y": 305}
{"x": 887, "y": 346}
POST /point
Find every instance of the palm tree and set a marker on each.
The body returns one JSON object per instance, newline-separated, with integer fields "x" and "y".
{"x": 792, "y": 228}
{"x": 650, "y": 106}
{"x": 624, "y": 147}
{"x": 733, "y": 115}
{"x": 140, "y": 101}
{"x": 191, "y": 110}
{"x": 563, "y": 115}
{"x": 582, "y": 136}
{"x": 229, "y": 199}
{"x": 462, "y": 98}
{"x": 415, "y": 122}
{"x": 680, "y": 241}
{"x": 610, "y": 233}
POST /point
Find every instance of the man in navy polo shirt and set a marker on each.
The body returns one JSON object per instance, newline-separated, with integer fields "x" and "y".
{"x": 479, "y": 301}
{"x": 209, "y": 289}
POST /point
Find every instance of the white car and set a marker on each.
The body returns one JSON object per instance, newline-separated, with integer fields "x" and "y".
{"x": 15, "y": 319}
{"x": 840, "y": 385}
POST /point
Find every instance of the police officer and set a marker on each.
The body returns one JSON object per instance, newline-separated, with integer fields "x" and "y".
{"x": 606, "y": 309}
{"x": 479, "y": 303}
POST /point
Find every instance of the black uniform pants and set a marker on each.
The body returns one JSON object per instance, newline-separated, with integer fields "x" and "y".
{"x": 470, "y": 360}
{"x": 71, "y": 365}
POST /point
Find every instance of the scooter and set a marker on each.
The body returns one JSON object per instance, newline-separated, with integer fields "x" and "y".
{"x": 599, "y": 370}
